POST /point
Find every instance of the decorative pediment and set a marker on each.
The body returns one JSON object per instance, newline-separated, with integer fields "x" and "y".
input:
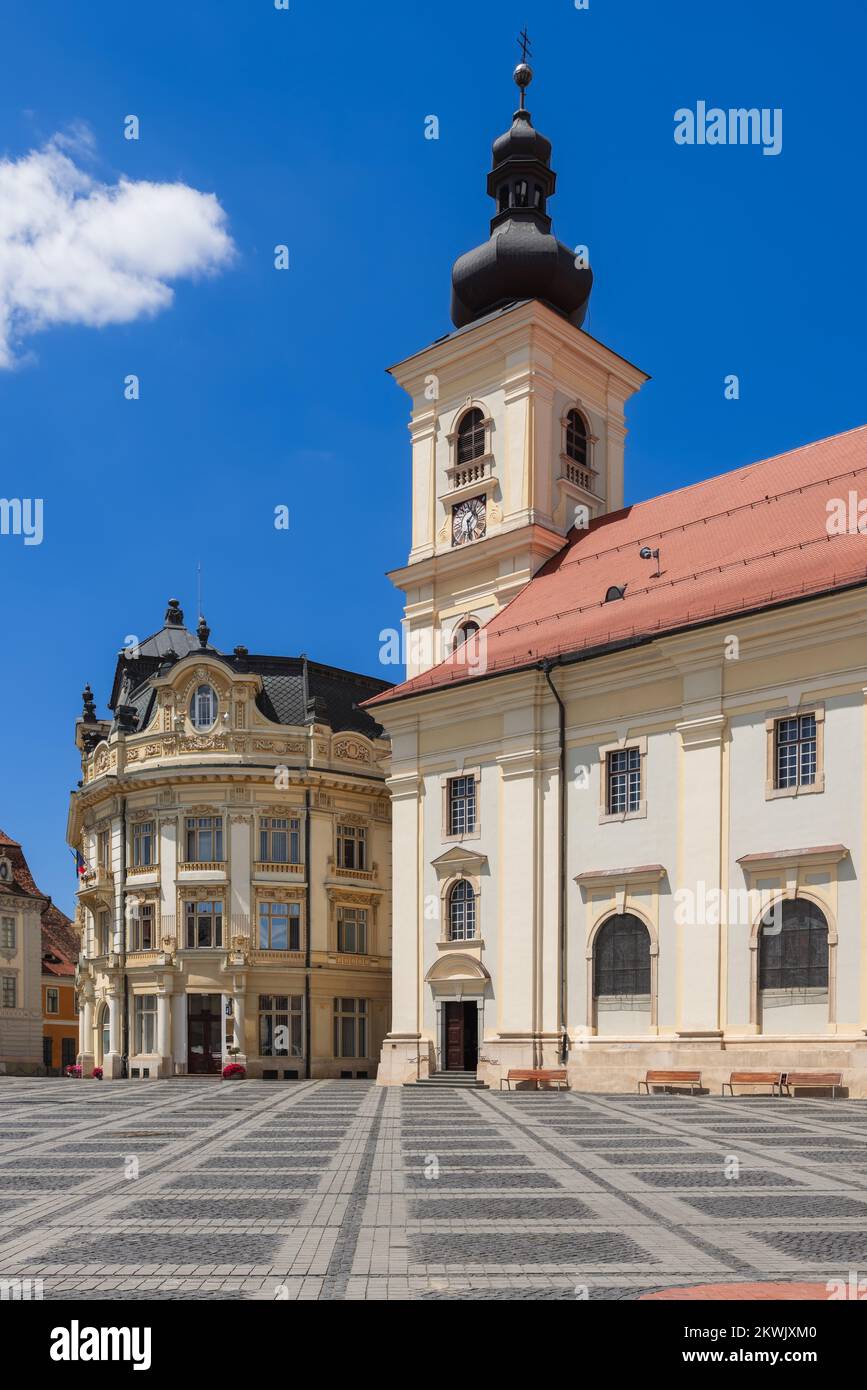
{"x": 459, "y": 860}
{"x": 457, "y": 966}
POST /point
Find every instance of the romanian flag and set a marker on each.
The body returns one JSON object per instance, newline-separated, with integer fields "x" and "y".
{"x": 80, "y": 864}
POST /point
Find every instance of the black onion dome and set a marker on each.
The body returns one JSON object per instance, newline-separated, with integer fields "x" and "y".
{"x": 522, "y": 259}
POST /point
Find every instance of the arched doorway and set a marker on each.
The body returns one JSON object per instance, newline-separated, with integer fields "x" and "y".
{"x": 622, "y": 975}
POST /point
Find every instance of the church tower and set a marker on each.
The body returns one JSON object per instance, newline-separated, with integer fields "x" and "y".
{"x": 517, "y": 421}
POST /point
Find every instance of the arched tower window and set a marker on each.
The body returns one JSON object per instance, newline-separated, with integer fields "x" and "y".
{"x": 793, "y": 946}
{"x": 465, "y": 632}
{"x": 576, "y": 438}
{"x": 462, "y": 911}
{"x": 471, "y": 436}
{"x": 621, "y": 957}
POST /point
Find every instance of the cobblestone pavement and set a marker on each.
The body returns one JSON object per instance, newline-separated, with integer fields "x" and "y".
{"x": 343, "y": 1190}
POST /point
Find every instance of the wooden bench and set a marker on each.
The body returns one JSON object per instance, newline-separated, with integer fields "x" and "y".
{"x": 812, "y": 1080}
{"x": 537, "y": 1074}
{"x": 774, "y": 1079}
{"x": 669, "y": 1079}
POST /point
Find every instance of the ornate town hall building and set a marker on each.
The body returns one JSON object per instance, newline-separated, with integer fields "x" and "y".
{"x": 234, "y": 832}
{"x": 629, "y": 807}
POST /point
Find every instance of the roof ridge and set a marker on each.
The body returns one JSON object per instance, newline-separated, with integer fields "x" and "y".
{"x": 767, "y": 500}
{"x": 745, "y": 467}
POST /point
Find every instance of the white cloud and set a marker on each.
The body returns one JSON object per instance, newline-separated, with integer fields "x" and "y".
{"x": 73, "y": 250}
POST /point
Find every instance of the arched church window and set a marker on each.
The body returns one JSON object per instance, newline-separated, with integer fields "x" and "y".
{"x": 522, "y": 194}
{"x": 462, "y": 911}
{"x": 576, "y": 437}
{"x": 621, "y": 957}
{"x": 538, "y": 197}
{"x": 203, "y": 707}
{"x": 503, "y": 198}
{"x": 465, "y": 632}
{"x": 614, "y": 593}
{"x": 793, "y": 946}
{"x": 471, "y": 436}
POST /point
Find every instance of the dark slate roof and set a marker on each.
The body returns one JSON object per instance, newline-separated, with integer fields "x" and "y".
{"x": 295, "y": 690}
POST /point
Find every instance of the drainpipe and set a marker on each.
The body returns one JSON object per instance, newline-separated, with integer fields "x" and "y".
{"x": 308, "y": 932}
{"x": 562, "y": 1014}
{"x": 125, "y": 1035}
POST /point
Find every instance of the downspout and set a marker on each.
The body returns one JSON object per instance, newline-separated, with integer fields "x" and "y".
{"x": 562, "y": 992}
{"x": 125, "y": 1058}
{"x": 308, "y": 932}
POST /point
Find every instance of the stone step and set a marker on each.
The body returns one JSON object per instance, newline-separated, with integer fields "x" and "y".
{"x": 465, "y": 1079}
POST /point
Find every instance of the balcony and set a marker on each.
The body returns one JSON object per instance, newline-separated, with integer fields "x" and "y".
{"x": 357, "y": 875}
{"x": 468, "y": 477}
{"x": 580, "y": 475}
{"x": 96, "y": 886}
{"x": 262, "y": 866}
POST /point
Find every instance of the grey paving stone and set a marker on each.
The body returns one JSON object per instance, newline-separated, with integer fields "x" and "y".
{"x": 584, "y": 1248}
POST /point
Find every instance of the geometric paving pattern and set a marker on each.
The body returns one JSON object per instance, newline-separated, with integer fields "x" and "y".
{"x": 199, "y": 1189}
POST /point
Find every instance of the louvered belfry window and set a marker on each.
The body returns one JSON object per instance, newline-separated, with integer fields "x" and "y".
{"x": 471, "y": 437}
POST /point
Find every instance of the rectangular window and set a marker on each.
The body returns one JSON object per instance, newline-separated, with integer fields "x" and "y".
{"x": 350, "y": 1027}
{"x": 103, "y": 932}
{"x": 461, "y": 805}
{"x": 352, "y": 930}
{"x": 7, "y": 933}
{"x": 142, "y": 933}
{"x": 204, "y": 924}
{"x": 144, "y": 844}
{"x": 280, "y": 840}
{"x": 146, "y": 1023}
{"x": 795, "y": 751}
{"x": 9, "y": 993}
{"x": 103, "y": 849}
{"x": 624, "y": 781}
{"x": 281, "y": 1025}
{"x": 351, "y": 847}
{"x": 279, "y": 926}
{"x": 204, "y": 839}
{"x": 52, "y": 1001}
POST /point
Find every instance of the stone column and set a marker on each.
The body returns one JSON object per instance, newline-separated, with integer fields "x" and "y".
{"x": 179, "y": 1033}
{"x": 164, "y": 1030}
{"x": 405, "y": 1055}
{"x": 239, "y": 1019}
{"x": 85, "y": 1033}
{"x": 112, "y": 1063}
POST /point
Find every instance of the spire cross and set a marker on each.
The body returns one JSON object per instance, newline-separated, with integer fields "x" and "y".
{"x": 524, "y": 41}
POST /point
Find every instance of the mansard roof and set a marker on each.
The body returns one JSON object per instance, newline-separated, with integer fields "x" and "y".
{"x": 754, "y": 538}
{"x": 294, "y": 690}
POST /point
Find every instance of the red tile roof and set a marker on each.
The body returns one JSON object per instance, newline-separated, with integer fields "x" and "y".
{"x": 22, "y": 879}
{"x": 737, "y": 543}
{"x": 59, "y": 942}
{"x": 59, "y": 938}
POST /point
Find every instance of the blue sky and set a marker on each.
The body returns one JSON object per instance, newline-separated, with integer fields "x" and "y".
{"x": 261, "y": 388}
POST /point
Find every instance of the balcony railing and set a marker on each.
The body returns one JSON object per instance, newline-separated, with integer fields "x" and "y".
{"x": 462, "y": 475}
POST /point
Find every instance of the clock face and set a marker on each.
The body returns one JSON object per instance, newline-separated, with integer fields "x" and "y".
{"x": 468, "y": 520}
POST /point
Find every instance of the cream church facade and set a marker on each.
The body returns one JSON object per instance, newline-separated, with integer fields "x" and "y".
{"x": 628, "y": 772}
